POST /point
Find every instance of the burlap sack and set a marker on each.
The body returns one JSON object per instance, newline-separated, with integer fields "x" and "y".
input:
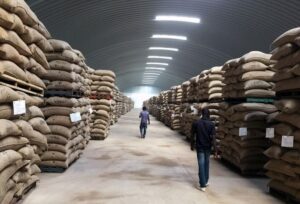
{"x": 295, "y": 70}
{"x": 8, "y": 52}
{"x": 102, "y": 113}
{"x": 102, "y": 107}
{"x": 64, "y": 66}
{"x": 34, "y": 111}
{"x": 57, "y": 75}
{"x": 267, "y": 108}
{"x": 53, "y": 155}
{"x": 99, "y": 126}
{"x": 59, "y": 45}
{"x": 35, "y": 80}
{"x": 36, "y": 68}
{"x": 259, "y": 93}
{"x": 98, "y": 131}
{"x": 284, "y": 129}
{"x": 100, "y": 121}
{"x": 57, "y": 110}
{"x": 56, "y": 139}
{"x": 108, "y": 79}
{"x": 42, "y": 29}
{"x": 288, "y": 105}
{"x": 61, "y": 130}
{"x": 60, "y": 120}
{"x": 280, "y": 186}
{"x": 292, "y": 157}
{"x": 63, "y": 85}
{"x": 59, "y": 148}
{"x": 258, "y": 75}
{"x": 274, "y": 152}
{"x": 293, "y": 119}
{"x": 11, "y": 21}
{"x": 277, "y": 176}
{"x": 256, "y": 84}
{"x": 27, "y": 152}
{"x": 62, "y": 101}
{"x": 104, "y": 83}
{"x": 54, "y": 163}
{"x": 8, "y": 128}
{"x": 11, "y": 69}
{"x": 105, "y": 73}
{"x": 283, "y": 74}
{"x": 280, "y": 167}
{"x": 21, "y": 177}
{"x": 13, "y": 39}
{"x": 6, "y": 112}
{"x": 8, "y": 157}
{"x": 31, "y": 35}
{"x": 13, "y": 143}
{"x": 283, "y": 51}
{"x": 287, "y": 37}
{"x": 22, "y": 189}
{"x": 288, "y": 61}
{"x": 44, "y": 45}
{"x": 39, "y": 56}
{"x": 66, "y": 55}
{"x": 40, "y": 125}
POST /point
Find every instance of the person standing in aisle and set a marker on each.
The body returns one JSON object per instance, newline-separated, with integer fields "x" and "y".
{"x": 204, "y": 130}
{"x": 145, "y": 120}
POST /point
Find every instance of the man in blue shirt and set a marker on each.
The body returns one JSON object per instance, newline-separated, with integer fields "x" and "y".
{"x": 204, "y": 130}
{"x": 144, "y": 115}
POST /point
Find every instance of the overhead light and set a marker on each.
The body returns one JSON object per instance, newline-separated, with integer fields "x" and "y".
{"x": 177, "y": 18}
{"x": 160, "y": 57}
{"x": 156, "y": 68}
{"x": 164, "y": 48}
{"x": 157, "y": 63}
{"x": 151, "y": 73}
{"x": 175, "y": 37}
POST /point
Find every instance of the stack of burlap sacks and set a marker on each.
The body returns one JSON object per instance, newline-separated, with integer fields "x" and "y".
{"x": 188, "y": 117}
{"x": 67, "y": 139}
{"x": 284, "y": 165}
{"x": 185, "y": 91}
{"x": 22, "y": 139}
{"x": 22, "y": 142}
{"x": 103, "y": 85}
{"x": 249, "y": 76}
{"x": 193, "y": 92}
{"x": 178, "y": 94}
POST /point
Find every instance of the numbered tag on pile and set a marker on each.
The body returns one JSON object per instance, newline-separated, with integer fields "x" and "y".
{"x": 75, "y": 117}
{"x": 19, "y": 107}
{"x": 270, "y": 133}
{"x": 243, "y": 132}
{"x": 287, "y": 141}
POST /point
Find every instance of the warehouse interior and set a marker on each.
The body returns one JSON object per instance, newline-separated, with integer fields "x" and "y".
{"x": 75, "y": 75}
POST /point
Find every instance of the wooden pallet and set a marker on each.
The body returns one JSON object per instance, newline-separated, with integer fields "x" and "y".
{"x": 20, "y": 85}
{"x": 54, "y": 169}
{"x": 64, "y": 93}
{"x": 287, "y": 198}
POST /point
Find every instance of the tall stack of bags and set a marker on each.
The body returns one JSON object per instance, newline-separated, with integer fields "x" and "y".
{"x": 214, "y": 83}
{"x": 202, "y": 87}
{"x": 188, "y": 117}
{"x": 185, "y": 91}
{"x": 68, "y": 137}
{"x": 283, "y": 167}
{"x": 178, "y": 94}
{"x": 249, "y": 76}
{"x": 193, "y": 92}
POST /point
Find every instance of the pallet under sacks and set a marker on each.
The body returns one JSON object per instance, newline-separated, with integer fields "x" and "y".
{"x": 68, "y": 120}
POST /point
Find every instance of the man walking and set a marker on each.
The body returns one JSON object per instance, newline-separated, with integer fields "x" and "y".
{"x": 144, "y": 115}
{"x": 204, "y": 130}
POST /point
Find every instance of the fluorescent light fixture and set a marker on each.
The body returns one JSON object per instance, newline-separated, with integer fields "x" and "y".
{"x": 157, "y": 63}
{"x": 177, "y": 18}
{"x": 174, "y": 37}
{"x": 151, "y": 73}
{"x": 155, "y": 68}
{"x": 160, "y": 57}
{"x": 164, "y": 48}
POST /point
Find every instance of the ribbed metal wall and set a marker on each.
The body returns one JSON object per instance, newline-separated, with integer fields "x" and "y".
{"x": 115, "y": 34}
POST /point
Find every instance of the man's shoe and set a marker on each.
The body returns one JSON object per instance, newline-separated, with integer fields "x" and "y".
{"x": 203, "y": 189}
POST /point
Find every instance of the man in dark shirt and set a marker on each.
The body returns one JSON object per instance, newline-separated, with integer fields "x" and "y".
{"x": 144, "y": 115}
{"x": 204, "y": 130}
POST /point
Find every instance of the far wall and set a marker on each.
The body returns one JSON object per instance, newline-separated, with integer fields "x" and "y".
{"x": 139, "y": 94}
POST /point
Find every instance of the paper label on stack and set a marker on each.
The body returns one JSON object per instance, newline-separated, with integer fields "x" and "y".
{"x": 75, "y": 117}
{"x": 91, "y": 110}
{"x": 243, "y": 132}
{"x": 287, "y": 141}
{"x": 19, "y": 107}
{"x": 270, "y": 133}
{"x": 195, "y": 111}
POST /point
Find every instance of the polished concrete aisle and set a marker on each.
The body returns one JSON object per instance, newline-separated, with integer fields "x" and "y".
{"x": 160, "y": 169}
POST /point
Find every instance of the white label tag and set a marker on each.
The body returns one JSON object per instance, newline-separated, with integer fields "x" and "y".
{"x": 173, "y": 115}
{"x": 19, "y": 107}
{"x": 270, "y": 133}
{"x": 243, "y": 132}
{"x": 287, "y": 141}
{"x": 91, "y": 110}
{"x": 75, "y": 117}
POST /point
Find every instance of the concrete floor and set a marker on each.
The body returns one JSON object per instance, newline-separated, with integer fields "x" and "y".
{"x": 160, "y": 169}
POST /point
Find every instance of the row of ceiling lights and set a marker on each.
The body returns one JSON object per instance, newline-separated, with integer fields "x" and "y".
{"x": 155, "y": 68}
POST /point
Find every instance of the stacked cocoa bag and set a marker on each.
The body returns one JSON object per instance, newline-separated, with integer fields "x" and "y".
{"x": 178, "y": 94}
{"x": 283, "y": 167}
{"x": 249, "y": 76}
{"x": 175, "y": 117}
{"x": 215, "y": 83}
{"x": 189, "y": 116}
{"x": 245, "y": 141}
{"x": 22, "y": 141}
{"x": 68, "y": 120}
{"x": 202, "y": 93}
{"x": 193, "y": 92}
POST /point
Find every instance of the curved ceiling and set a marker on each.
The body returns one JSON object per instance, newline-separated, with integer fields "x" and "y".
{"x": 115, "y": 34}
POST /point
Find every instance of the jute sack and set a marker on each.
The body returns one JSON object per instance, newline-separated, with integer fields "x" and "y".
{"x": 57, "y": 110}
{"x": 39, "y": 56}
{"x": 62, "y": 65}
{"x": 100, "y": 121}
{"x": 105, "y": 73}
{"x": 283, "y": 51}
{"x": 274, "y": 152}
{"x": 259, "y": 93}
{"x": 54, "y": 163}
{"x": 11, "y": 21}
{"x": 96, "y": 77}
{"x": 293, "y": 119}
{"x": 13, "y": 39}
{"x": 280, "y": 186}
{"x": 108, "y": 79}
{"x": 256, "y": 56}
{"x": 102, "y": 113}
{"x": 44, "y": 45}
{"x": 36, "y": 68}
{"x": 13, "y": 143}
{"x": 64, "y": 85}
{"x": 277, "y": 176}
{"x": 40, "y": 125}
{"x": 99, "y": 126}
{"x": 288, "y": 61}
{"x": 34, "y": 111}
{"x": 61, "y": 130}
{"x": 8, "y": 157}
{"x": 57, "y": 75}
{"x": 59, "y": 45}
{"x": 59, "y": 120}
{"x": 215, "y": 95}
{"x": 280, "y": 167}
{"x": 8, "y": 52}
{"x": 251, "y": 66}
{"x": 256, "y": 84}
{"x": 289, "y": 84}
{"x": 287, "y": 37}
{"x": 11, "y": 69}
{"x": 283, "y": 74}
{"x": 293, "y": 183}
{"x": 104, "y": 102}
{"x": 104, "y": 83}
{"x": 292, "y": 157}
{"x": 42, "y": 29}
{"x": 34, "y": 169}
{"x": 58, "y": 148}
{"x": 27, "y": 152}
{"x": 6, "y": 112}
{"x": 62, "y": 101}
{"x": 258, "y": 75}
{"x": 267, "y": 108}
{"x": 30, "y": 100}
{"x": 66, "y": 55}
{"x": 98, "y": 131}
{"x": 284, "y": 129}
{"x": 56, "y": 139}
{"x": 295, "y": 70}
{"x": 21, "y": 177}
{"x": 288, "y": 105}
{"x": 34, "y": 80}
{"x": 53, "y": 155}
{"x": 215, "y": 90}
{"x": 24, "y": 186}
{"x": 31, "y": 35}
{"x": 8, "y": 128}
{"x": 101, "y": 107}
